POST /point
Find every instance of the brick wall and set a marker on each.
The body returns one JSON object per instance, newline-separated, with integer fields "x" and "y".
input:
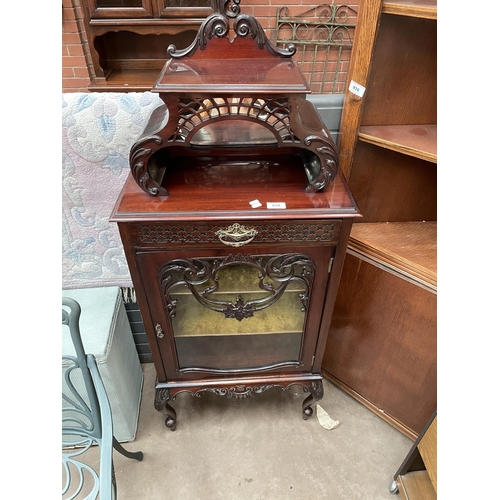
{"x": 75, "y": 70}
{"x": 76, "y": 66}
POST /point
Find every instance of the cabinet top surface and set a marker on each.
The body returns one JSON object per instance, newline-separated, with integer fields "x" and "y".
{"x": 216, "y": 194}
{"x": 263, "y": 75}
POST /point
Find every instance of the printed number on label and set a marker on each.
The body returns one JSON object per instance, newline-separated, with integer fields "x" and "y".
{"x": 357, "y": 88}
{"x": 276, "y": 205}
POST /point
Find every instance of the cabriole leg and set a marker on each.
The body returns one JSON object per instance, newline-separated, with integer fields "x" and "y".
{"x": 162, "y": 397}
{"x": 315, "y": 389}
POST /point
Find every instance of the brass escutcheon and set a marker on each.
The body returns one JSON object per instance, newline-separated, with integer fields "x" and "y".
{"x": 159, "y": 331}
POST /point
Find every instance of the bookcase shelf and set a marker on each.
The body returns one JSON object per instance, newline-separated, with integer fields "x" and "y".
{"x": 413, "y": 8}
{"x": 419, "y": 141}
{"x": 407, "y": 247}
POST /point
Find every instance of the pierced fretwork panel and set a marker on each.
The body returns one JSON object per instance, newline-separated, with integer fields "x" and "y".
{"x": 324, "y": 37}
{"x": 268, "y": 232}
{"x": 271, "y": 113}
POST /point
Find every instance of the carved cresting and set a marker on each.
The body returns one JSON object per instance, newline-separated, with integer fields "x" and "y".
{"x": 201, "y": 277}
{"x": 218, "y": 25}
{"x": 289, "y": 117}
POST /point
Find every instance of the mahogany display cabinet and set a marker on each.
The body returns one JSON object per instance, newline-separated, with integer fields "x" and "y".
{"x": 234, "y": 220}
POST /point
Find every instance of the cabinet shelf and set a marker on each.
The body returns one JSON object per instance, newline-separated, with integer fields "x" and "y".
{"x": 416, "y": 485}
{"x": 412, "y": 8}
{"x": 419, "y": 141}
{"x": 134, "y": 80}
{"x": 408, "y": 248}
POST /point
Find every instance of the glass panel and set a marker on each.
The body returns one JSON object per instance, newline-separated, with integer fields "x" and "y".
{"x": 106, "y": 4}
{"x": 188, "y": 3}
{"x": 234, "y": 133}
{"x": 228, "y": 315}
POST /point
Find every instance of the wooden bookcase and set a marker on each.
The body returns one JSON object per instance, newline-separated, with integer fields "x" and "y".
{"x": 128, "y": 39}
{"x": 382, "y": 339}
{"x": 416, "y": 478}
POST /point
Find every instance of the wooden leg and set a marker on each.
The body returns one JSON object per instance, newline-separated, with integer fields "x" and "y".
{"x": 162, "y": 397}
{"x": 316, "y": 393}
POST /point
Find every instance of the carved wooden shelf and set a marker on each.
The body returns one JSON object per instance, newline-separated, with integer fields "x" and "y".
{"x": 232, "y": 98}
{"x": 419, "y": 141}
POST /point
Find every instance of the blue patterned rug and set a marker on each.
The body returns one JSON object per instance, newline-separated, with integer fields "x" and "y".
{"x": 98, "y": 130}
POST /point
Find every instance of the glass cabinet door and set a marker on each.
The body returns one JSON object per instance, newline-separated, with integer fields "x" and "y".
{"x": 105, "y": 4}
{"x": 183, "y": 8}
{"x": 121, "y": 9}
{"x": 236, "y": 312}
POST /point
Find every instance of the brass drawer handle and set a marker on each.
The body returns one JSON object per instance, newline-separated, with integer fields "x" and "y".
{"x": 159, "y": 331}
{"x": 236, "y": 235}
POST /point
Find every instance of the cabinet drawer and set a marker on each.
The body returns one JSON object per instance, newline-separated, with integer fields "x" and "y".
{"x": 234, "y": 233}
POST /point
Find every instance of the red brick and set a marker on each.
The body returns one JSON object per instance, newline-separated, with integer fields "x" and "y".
{"x": 267, "y": 24}
{"x": 76, "y": 82}
{"x": 262, "y": 11}
{"x": 68, "y": 14}
{"x": 67, "y": 3}
{"x": 67, "y": 73}
{"x": 69, "y": 27}
{"x": 81, "y": 72}
{"x": 75, "y": 50}
{"x": 71, "y": 38}
{"x": 73, "y": 61}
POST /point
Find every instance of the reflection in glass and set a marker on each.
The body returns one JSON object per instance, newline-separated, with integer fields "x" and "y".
{"x": 188, "y": 3}
{"x": 106, "y": 4}
{"x": 239, "y": 133}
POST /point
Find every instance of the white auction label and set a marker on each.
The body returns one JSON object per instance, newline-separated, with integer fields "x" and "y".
{"x": 255, "y": 203}
{"x": 276, "y": 204}
{"x": 357, "y": 88}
